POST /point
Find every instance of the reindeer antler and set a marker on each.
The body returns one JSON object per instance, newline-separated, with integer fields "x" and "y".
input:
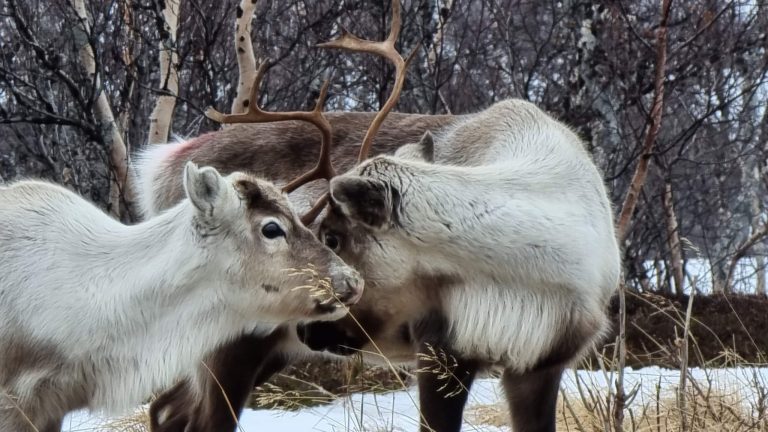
{"x": 349, "y": 42}
{"x": 254, "y": 114}
{"x": 324, "y": 168}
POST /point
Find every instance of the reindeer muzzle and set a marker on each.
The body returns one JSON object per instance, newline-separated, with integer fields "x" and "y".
{"x": 348, "y": 286}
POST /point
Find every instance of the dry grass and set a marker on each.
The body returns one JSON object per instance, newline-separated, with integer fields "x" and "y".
{"x": 705, "y": 412}
{"x": 138, "y": 422}
{"x": 587, "y": 404}
{"x": 712, "y": 412}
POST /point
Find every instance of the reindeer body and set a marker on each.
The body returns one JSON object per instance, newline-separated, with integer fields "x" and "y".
{"x": 97, "y": 314}
{"x": 491, "y": 243}
{"x": 511, "y": 216}
{"x": 276, "y": 151}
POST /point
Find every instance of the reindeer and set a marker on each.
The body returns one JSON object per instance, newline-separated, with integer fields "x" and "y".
{"x": 485, "y": 239}
{"x": 97, "y": 314}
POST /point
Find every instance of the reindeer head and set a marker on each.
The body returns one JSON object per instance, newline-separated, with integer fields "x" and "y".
{"x": 370, "y": 223}
{"x": 368, "y": 217}
{"x": 274, "y": 266}
{"x": 373, "y": 223}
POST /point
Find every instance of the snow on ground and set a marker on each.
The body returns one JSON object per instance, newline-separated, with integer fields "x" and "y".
{"x": 397, "y": 411}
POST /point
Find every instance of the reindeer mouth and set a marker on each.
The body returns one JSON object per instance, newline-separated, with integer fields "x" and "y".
{"x": 321, "y": 289}
{"x": 328, "y": 306}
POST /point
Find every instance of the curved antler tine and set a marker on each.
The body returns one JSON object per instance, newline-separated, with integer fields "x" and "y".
{"x": 253, "y": 97}
{"x": 324, "y": 162}
{"x": 324, "y": 168}
{"x": 394, "y": 31}
{"x": 320, "y": 103}
{"x": 349, "y": 42}
{"x": 400, "y": 71}
{"x": 315, "y": 211}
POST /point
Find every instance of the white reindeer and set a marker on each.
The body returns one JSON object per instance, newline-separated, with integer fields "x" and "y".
{"x": 97, "y": 314}
{"x": 500, "y": 253}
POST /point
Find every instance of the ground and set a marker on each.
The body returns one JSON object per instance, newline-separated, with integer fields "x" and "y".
{"x": 726, "y": 385}
{"x": 725, "y": 330}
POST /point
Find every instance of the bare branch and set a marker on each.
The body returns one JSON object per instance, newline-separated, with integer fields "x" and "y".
{"x": 638, "y": 179}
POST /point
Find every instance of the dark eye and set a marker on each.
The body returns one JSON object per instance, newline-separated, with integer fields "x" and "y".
{"x": 272, "y": 230}
{"x": 331, "y": 241}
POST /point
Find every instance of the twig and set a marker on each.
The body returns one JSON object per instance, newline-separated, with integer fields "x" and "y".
{"x": 684, "y": 361}
{"x": 620, "y": 396}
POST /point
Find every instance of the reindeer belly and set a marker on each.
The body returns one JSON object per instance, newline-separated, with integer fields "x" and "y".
{"x": 520, "y": 328}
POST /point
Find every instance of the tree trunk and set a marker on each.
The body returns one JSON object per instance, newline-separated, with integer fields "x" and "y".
{"x": 435, "y": 53}
{"x": 673, "y": 239}
{"x": 630, "y": 201}
{"x": 162, "y": 115}
{"x": 246, "y": 59}
{"x": 654, "y": 125}
{"x": 759, "y": 258}
{"x": 118, "y": 153}
{"x": 129, "y": 58}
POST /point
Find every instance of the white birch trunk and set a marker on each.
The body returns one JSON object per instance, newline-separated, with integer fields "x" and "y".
{"x": 162, "y": 115}
{"x": 118, "y": 153}
{"x": 246, "y": 60}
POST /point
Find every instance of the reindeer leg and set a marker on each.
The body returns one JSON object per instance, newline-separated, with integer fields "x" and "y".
{"x": 221, "y": 414}
{"x": 53, "y": 425}
{"x": 532, "y": 398}
{"x": 238, "y": 366}
{"x": 167, "y": 413}
{"x": 444, "y": 376}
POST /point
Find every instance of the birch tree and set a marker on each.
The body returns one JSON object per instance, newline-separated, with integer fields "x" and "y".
{"x": 161, "y": 119}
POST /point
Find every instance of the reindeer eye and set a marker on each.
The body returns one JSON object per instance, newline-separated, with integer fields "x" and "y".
{"x": 272, "y": 231}
{"x": 332, "y": 241}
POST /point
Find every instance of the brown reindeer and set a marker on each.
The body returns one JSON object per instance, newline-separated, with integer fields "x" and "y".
{"x": 489, "y": 240}
{"x": 275, "y": 151}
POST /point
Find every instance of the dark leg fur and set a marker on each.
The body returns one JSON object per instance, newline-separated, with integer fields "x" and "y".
{"x": 174, "y": 403}
{"x": 238, "y": 366}
{"x": 532, "y": 398}
{"x": 216, "y": 414}
{"x": 53, "y": 426}
{"x": 441, "y": 398}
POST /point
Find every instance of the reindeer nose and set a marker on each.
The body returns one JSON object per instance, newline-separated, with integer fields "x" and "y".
{"x": 348, "y": 286}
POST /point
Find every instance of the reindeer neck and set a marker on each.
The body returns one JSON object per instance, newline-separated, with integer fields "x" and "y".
{"x": 156, "y": 255}
{"x": 168, "y": 307}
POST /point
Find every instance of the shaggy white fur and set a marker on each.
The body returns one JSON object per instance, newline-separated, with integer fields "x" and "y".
{"x": 96, "y": 313}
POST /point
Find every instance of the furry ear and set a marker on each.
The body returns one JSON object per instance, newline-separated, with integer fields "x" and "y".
{"x": 253, "y": 195}
{"x": 205, "y": 187}
{"x": 427, "y": 147}
{"x": 363, "y": 199}
{"x": 423, "y": 150}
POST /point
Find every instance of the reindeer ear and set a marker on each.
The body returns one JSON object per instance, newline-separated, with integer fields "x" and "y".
{"x": 423, "y": 150}
{"x": 427, "y": 147}
{"x": 363, "y": 199}
{"x": 205, "y": 187}
{"x": 253, "y": 194}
